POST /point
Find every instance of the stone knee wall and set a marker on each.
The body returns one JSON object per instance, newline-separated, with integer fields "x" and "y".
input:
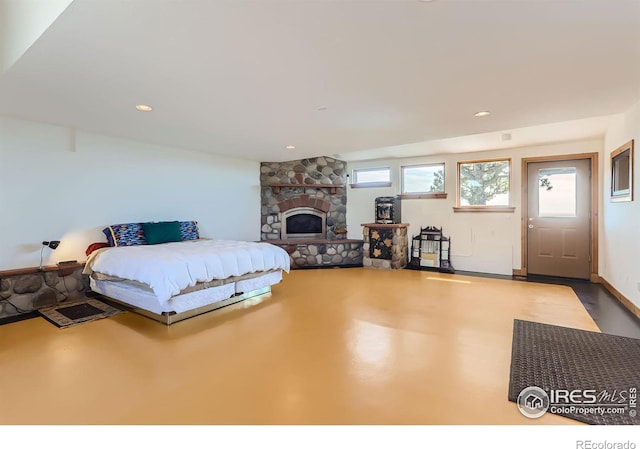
{"x": 28, "y": 292}
{"x": 337, "y": 253}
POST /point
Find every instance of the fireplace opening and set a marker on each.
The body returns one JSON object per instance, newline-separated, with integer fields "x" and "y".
{"x": 304, "y": 222}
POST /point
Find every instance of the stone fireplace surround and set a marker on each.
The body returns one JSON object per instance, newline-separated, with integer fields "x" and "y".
{"x": 316, "y": 183}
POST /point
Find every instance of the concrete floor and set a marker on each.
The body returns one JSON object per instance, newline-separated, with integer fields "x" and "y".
{"x": 334, "y": 346}
{"x": 608, "y": 313}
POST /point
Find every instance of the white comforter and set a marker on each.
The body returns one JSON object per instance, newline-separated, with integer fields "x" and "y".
{"x": 169, "y": 268}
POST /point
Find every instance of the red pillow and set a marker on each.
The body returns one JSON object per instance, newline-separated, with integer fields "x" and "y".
{"x": 94, "y": 246}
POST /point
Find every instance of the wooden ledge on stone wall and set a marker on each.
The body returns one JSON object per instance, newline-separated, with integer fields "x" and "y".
{"x": 63, "y": 270}
{"x": 305, "y": 241}
{"x": 332, "y": 187}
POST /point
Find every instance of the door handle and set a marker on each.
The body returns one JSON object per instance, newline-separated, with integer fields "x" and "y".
{"x": 530, "y": 226}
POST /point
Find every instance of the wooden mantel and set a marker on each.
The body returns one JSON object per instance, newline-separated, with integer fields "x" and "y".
{"x": 332, "y": 187}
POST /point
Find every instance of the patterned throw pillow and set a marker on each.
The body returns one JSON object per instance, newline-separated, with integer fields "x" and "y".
{"x": 129, "y": 234}
{"x": 189, "y": 230}
{"x": 126, "y": 234}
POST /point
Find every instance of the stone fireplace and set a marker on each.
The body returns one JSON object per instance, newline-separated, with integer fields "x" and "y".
{"x": 303, "y": 204}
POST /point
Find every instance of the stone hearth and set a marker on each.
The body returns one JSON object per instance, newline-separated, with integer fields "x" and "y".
{"x": 322, "y": 252}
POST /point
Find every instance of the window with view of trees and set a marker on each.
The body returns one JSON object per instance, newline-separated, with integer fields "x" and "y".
{"x": 428, "y": 178}
{"x": 484, "y": 183}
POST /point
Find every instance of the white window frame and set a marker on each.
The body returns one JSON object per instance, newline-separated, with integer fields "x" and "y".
{"x": 357, "y": 184}
{"x": 423, "y": 195}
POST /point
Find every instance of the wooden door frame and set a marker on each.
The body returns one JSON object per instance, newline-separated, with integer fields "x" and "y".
{"x": 593, "y": 158}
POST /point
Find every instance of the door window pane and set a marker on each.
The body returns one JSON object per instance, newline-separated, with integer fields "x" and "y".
{"x": 557, "y": 192}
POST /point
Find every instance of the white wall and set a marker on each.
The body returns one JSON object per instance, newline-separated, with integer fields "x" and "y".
{"x": 621, "y": 248}
{"x": 482, "y": 242}
{"x": 48, "y": 191}
{"x": 22, "y": 22}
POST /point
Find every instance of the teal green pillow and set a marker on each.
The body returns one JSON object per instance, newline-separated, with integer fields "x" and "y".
{"x": 162, "y": 232}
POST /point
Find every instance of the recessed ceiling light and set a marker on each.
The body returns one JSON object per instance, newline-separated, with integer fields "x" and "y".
{"x": 482, "y": 113}
{"x": 290, "y": 147}
{"x": 144, "y": 107}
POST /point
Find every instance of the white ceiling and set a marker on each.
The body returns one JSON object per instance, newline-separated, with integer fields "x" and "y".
{"x": 397, "y": 77}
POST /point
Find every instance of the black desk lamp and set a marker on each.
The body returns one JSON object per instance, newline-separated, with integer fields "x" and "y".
{"x": 53, "y": 244}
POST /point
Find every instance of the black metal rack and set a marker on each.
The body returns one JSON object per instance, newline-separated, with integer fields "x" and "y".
{"x": 430, "y": 250}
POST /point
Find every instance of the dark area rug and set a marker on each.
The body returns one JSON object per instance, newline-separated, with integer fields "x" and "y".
{"x": 588, "y": 376}
{"x": 79, "y": 312}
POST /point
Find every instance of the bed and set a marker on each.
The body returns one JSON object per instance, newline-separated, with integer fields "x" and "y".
{"x": 173, "y": 280}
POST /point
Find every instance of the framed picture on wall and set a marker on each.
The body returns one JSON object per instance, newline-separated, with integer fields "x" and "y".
{"x": 622, "y": 173}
